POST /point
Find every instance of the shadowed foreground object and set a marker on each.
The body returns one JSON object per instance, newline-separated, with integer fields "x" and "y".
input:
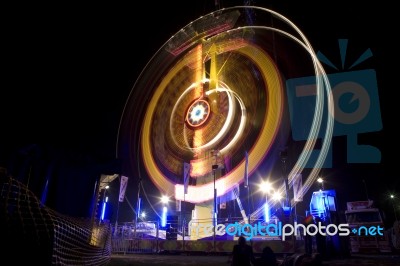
{"x": 32, "y": 232}
{"x": 184, "y": 259}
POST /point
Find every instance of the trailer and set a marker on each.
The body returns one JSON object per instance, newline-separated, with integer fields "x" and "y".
{"x": 367, "y": 228}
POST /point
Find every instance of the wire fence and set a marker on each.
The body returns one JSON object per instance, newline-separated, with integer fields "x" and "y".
{"x": 35, "y": 233}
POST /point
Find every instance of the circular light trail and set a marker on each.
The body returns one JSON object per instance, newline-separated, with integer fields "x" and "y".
{"x": 211, "y": 84}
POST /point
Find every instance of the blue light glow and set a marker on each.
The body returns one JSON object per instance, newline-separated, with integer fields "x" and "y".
{"x": 103, "y": 211}
{"x": 266, "y": 212}
{"x": 164, "y": 217}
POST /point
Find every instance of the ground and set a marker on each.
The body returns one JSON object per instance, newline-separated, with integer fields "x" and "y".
{"x": 210, "y": 260}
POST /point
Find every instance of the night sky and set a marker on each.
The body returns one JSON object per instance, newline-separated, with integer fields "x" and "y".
{"x": 69, "y": 70}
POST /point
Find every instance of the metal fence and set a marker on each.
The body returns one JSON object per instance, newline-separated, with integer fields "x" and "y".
{"x": 195, "y": 236}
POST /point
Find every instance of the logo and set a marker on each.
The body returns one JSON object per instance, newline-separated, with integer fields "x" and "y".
{"x": 368, "y": 231}
{"x": 356, "y": 108}
{"x": 249, "y": 231}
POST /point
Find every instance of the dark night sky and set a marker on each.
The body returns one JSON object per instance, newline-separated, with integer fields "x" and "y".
{"x": 69, "y": 69}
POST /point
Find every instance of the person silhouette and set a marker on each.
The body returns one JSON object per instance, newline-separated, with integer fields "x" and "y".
{"x": 268, "y": 257}
{"x": 242, "y": 254}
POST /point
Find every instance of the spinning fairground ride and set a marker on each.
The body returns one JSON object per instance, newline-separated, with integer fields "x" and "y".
{"x": 210, "y": 108}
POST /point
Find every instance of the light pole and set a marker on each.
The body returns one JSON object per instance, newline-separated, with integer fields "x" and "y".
{"x": 283, "y": 155}
{"x": 394, "y": 209}
{"x": 214, "y": 169}
{"x": 164, "y": 200}
{"x": 276, "y": 197}
{"x": 266, "y": 188}
{"x": 105, "y": 199}
{"x": 321, "y": 182}
{"x": 137, "y": 206}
